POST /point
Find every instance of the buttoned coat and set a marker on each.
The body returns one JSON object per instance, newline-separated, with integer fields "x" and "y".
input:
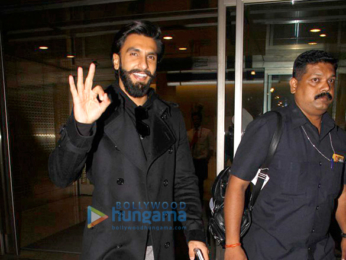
{"x": 120, "y": 172}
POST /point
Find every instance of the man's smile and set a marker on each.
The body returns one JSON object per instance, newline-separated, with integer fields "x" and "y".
{"x": 140, "y": 76}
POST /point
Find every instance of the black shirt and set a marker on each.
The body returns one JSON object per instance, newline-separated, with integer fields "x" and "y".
{"x": 292, "y": 215}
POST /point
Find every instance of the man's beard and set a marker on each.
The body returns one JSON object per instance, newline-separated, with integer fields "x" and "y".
{"x": 137, "y": 89}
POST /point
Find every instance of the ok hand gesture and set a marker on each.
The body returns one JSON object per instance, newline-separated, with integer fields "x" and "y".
{"x": 87, "y": 108}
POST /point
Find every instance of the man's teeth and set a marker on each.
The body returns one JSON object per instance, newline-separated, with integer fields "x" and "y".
{"x": 143, "y": 75}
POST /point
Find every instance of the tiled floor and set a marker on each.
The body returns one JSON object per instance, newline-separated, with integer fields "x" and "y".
{"x": 41, "y": 222}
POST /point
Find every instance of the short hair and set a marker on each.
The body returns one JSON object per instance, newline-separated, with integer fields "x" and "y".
{"x": 144, "y": 28}
{"x": 311, "y": 57}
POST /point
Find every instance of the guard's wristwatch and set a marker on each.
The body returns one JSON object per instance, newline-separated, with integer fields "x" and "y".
{"x": 343, "y": 235}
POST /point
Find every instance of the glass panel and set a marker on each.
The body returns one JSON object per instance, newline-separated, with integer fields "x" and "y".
{"x": 230, "y": 76}
{"x": 275, "y": 34}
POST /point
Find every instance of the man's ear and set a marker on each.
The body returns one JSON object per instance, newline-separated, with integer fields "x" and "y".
{"x": 116, "y": 61}
{"x": 293, "y": 85}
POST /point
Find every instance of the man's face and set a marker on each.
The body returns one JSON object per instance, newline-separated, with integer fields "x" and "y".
{"x": 196, "y": 120}
{"x": 314, "y": 91}
{"x": 137, "y": 64}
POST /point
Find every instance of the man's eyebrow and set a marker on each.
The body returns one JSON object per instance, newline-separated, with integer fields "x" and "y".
{"x": 152, "y": 53}
{"x": 138, "y": 50}
{"x": 132, "y": 49}
{"x": 321, "y": 74}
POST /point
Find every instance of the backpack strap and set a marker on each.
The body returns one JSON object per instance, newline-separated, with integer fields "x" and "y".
{"x": 265, "y": 166}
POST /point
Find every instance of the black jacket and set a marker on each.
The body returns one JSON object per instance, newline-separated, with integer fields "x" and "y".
{"x": 117, "y": 167}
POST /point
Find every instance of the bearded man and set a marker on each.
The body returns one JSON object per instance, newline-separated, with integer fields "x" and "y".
{"x": 137, "y": 155}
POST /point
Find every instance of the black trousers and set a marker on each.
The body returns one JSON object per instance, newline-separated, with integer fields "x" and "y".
{"x": 201, "y": 168}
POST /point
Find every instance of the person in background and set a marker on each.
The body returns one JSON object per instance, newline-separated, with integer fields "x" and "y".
{"x": 201, "y": 145}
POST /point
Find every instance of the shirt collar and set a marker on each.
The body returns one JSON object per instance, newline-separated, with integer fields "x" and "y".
{"x": 299, "y": 119}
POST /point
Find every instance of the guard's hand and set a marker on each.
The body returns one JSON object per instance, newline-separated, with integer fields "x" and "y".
{"x": 235, "y": 253}
{"x": 200, "y": 245}
{"x": 88, "y": 103}
{"x": 343, "y": 249}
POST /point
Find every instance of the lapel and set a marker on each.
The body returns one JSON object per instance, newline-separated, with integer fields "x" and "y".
{"x": 124, "y": 135}
{"x": 120, "y": 129}
{"x": 162, "y": 137}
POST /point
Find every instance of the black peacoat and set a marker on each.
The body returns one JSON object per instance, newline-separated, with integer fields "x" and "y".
{"x": 122, "y": 175}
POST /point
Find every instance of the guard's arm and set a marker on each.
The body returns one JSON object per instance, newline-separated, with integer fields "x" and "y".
{"x": 234, "y": 208}
{"x": 341, "y": 218}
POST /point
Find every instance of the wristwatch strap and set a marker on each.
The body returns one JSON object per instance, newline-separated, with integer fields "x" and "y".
{"x": 343, "y": 235}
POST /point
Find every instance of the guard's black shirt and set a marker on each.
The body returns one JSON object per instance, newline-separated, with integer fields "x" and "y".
{"x": 292, "y": 215}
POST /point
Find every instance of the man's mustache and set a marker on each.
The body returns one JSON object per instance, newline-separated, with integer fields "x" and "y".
{"x": 330, "y": 97}
{"x": 141, "y": 71}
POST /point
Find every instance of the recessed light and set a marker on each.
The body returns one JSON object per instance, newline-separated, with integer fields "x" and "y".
{"x": 70, "y": 56}
{"x": 315, "y": 30}
{"x": 253, "y": 72}
{"x": 168, "y": 37}
{"x": 312, "y": 43}
{"x": 182, "y": 49}
{"x": 272, "y": 90}
{"x": 323, "y": 35}
{"x": 43, "y": 47}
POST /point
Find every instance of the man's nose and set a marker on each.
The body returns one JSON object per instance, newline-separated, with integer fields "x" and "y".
{"x": 326, "y": 86}
{"x": 143, "y": 63}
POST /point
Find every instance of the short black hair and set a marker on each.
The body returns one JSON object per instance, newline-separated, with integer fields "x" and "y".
{"x": 144, "y": 28}
{"x": 311, "y": 57}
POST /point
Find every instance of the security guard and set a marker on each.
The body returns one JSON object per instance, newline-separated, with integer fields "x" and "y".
{"x": 292, "y": 215}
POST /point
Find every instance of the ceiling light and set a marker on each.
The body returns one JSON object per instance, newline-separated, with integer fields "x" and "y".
{"x": 277, "y": 97}
{"x": 182, "y": 49}
{"x": 323, "y": 35}
{"x": 253, "y": 72}
{"x": 312, "y": 43}
{"x": 168, "y": 37}
{"x": 272, "y": 90}
{"x": 70, "y": 56}
{"x": 43, "y": 47}
{"x": 315, "y": 30}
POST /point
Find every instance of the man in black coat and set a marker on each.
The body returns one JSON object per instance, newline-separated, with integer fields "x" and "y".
{"x": 137, "y": 155}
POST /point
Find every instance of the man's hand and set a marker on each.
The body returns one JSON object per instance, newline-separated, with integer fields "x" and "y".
{"x": 200, "y": 245}
{"x": 343, "y": 249}
{"x": 235, "y": 253}
{"x": 87, "y": 108}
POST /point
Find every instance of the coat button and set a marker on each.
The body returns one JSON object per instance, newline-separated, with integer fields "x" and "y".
{"x": 167, "y": 245}
{"x": 120, "y": 181}
{"x": 116, "y": 148}
{"x": 118, "y": 246}
{"x": 165, "y": 183}
{"x": 170, "y": 150}
{"x": 320, "y": 163}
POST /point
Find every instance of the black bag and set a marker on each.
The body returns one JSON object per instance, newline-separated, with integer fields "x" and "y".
{"x": 217, "y": 221}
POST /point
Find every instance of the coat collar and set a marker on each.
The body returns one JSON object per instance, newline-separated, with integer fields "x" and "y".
{"x": 120, "y": 129}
